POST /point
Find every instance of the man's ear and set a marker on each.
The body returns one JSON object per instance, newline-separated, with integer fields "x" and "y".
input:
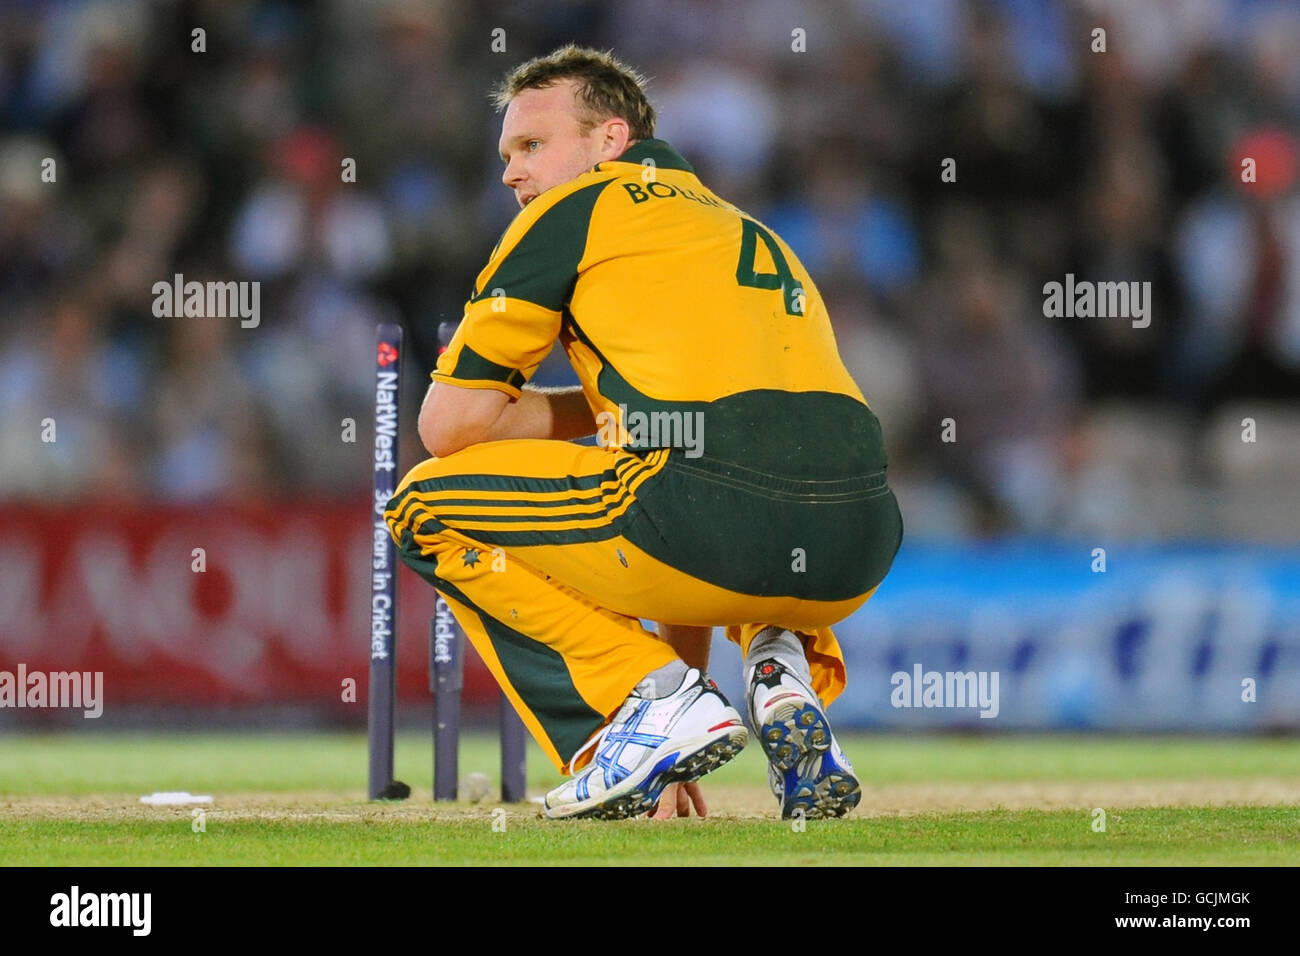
{"x": 615, "y": 139}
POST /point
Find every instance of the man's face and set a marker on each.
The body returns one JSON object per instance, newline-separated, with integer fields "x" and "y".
{"x": 542, "y": 143}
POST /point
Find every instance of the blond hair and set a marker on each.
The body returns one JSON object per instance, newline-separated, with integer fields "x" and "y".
{"x": 605, "y": 88}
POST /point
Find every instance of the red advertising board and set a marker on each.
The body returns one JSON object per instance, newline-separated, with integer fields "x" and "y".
{"x": 208, "y": 606}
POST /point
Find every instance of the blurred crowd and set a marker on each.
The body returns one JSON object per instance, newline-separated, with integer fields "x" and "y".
{"x": 829, "y": 121}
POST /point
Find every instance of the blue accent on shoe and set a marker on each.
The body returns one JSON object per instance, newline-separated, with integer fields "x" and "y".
{"x": 642, "y": 794}
{"x": 672, "y": 768}
{"x": 813, "y": 782}
{"x": 654, "y": 786}
{"x": 618, "y": 739}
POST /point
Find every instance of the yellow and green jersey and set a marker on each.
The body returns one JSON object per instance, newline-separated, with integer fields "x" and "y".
{"x": 669, "y": 301}
{"x": 759, "y": 499}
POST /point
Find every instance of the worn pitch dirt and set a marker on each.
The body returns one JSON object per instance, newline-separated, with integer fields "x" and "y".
{"x": 725, "y": 802}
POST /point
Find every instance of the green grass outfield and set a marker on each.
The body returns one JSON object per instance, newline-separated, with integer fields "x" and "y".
{"x": 284, "y": 799}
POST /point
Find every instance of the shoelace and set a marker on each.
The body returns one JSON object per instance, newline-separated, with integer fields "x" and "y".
{"x": 599, "y": 736}
{"x": 622, "y": 715}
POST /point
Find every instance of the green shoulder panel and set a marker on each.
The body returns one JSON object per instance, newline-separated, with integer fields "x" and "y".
{"x": 543, "y": 264}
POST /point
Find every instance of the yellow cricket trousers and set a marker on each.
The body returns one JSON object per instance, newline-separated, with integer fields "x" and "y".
{"x": 549, "y": 553}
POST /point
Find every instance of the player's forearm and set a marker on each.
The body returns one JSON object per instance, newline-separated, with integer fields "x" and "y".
{"x": 557, "y": 413}
{"x": 690, "y": 642}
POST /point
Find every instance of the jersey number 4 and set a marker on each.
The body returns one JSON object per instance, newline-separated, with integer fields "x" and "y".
{"x": 783, "y": 278}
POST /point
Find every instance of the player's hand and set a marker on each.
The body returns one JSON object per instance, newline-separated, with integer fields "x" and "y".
{"x": 677, "y": 799}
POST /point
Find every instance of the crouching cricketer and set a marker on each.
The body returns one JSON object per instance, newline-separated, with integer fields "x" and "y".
{"x": 738, "y": 480}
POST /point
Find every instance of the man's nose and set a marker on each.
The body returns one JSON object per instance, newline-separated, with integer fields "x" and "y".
{"x": 513, "y": 174}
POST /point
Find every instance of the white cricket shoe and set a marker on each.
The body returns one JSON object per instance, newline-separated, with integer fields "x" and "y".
{"x": 807, "y": 770}
{"x": 648, "y": 745}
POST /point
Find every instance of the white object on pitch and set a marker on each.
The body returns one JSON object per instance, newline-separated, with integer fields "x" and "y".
{"x": 174, "y": 797}
{"x": 476, "y": 786}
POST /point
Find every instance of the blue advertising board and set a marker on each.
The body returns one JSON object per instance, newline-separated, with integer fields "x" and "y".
{"x": 1031, "y": 635}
